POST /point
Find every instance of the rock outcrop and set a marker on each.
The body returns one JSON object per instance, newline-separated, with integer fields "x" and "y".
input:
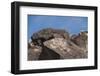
{"x": 65, "y": 48}
{"x": 81, "y": 40}
{"x": 34, "y": 52}
{"x": 49, "y": 43}
{"x": 47, "y": 34}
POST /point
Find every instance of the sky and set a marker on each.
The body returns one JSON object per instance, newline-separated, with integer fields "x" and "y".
{"x": 72, "y": 24}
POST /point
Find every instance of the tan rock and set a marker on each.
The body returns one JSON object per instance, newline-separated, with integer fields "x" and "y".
{"x": 66, "y": 49}
{"x": 34, "y": 52}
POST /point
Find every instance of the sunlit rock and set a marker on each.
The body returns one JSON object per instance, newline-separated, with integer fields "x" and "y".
{"x": 66, "y": 49}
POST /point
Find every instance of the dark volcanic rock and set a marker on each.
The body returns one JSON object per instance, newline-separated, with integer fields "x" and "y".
{"x": 48, "y": 33}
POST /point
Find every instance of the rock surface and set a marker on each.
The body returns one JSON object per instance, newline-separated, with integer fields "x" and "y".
{"x": 66, "y": 49}
{"x": 34, "y": 52}
{"x": 47, "y": 34}
{"x": 49, "y": 44}
{"x": 81, "y": 40}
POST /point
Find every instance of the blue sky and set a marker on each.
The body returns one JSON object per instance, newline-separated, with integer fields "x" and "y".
{"x": 72, "y": 24}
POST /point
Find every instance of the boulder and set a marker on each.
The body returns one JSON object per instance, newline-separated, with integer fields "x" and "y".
{"x": 50, "y": 43}
{"x": 46, "y": 34}
{"x": 65, "y": 48}
{"x": 81, "y": 40}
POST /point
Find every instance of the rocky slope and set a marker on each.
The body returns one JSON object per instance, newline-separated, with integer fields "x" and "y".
{"x": 49, "y": 43}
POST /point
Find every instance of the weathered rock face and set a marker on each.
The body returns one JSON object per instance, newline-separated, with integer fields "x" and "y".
{"x": 34, "y": 52}
{"x": 66, "y": 49}
{"x": 81, "y": 40}
{"x": 47, "y": 34}
{"x": 49, "y": 44}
